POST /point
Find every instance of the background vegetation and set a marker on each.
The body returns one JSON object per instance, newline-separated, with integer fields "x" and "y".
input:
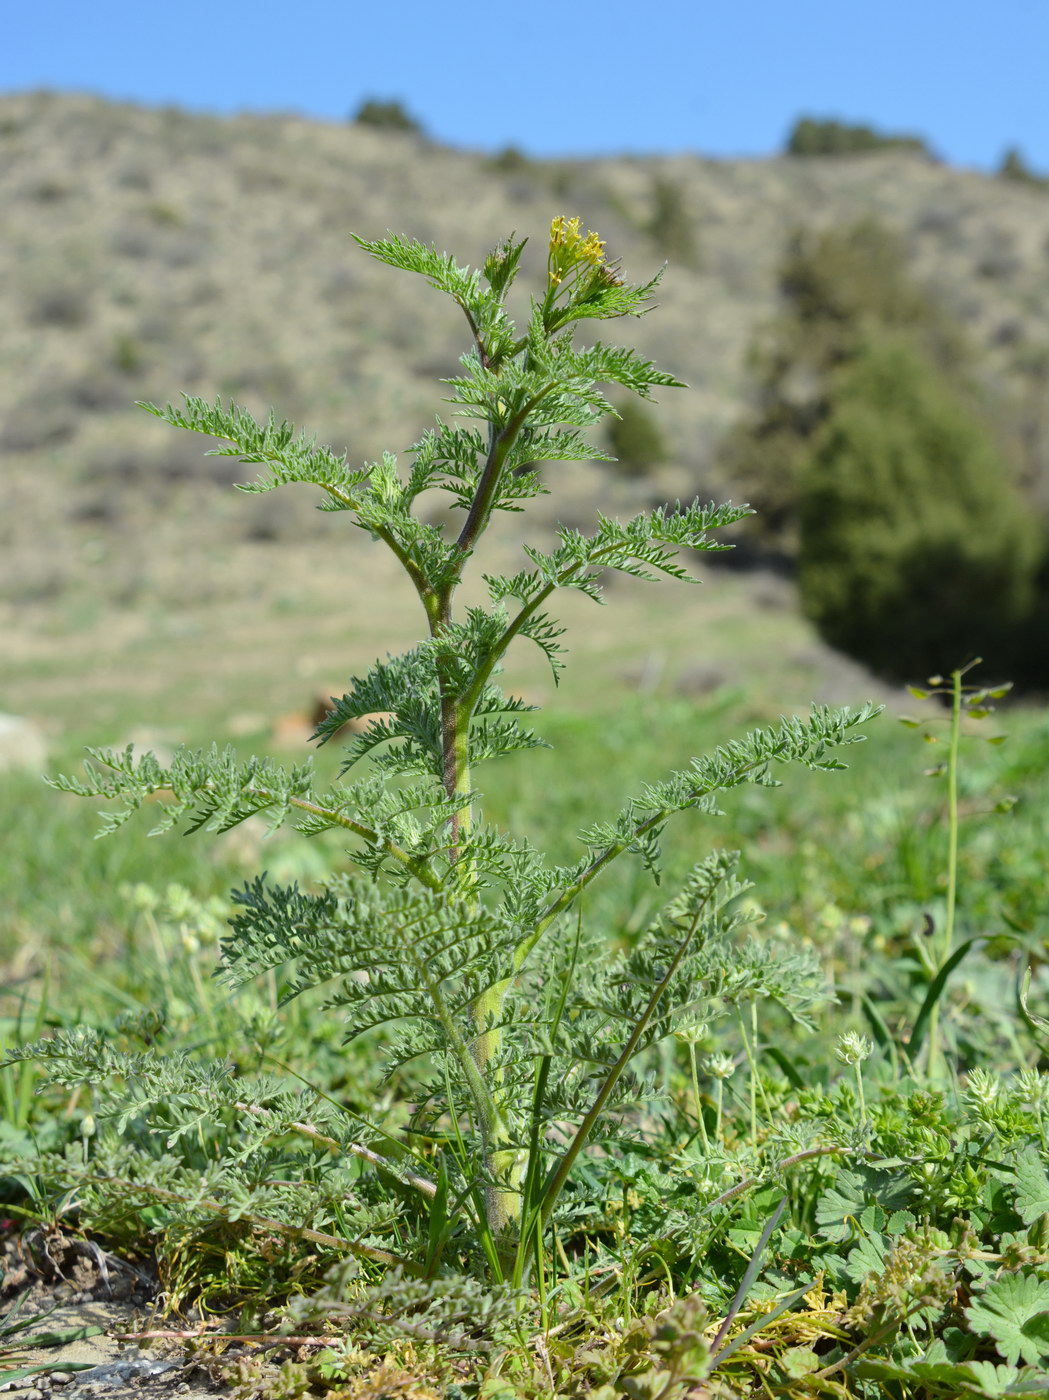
{"x": 885, "y": 477}
{"x": 812, "y": 136}
{"x": 156, "y": 250}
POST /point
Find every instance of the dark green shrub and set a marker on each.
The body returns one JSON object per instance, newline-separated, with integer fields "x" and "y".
{"x": 635, "y": 441}
{"x": 837, "y": 286}
{"x": 387, "y": 116}
{"x": 813, "y": 137}
{"x": 1015, "y": 167}
{"x": 670, "y": 225}
{"x": 916, "y": 550}
{"x": 510, "y": 160}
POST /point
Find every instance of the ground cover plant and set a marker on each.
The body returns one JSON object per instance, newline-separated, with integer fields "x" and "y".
{"x": 530, "y": 1153}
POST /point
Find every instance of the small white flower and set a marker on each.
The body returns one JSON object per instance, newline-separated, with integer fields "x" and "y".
{"x": 719, "y": 1066}
{"x": 853, "y": 1048}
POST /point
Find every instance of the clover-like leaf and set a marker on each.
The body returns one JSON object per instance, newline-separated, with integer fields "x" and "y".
{"x": 1014, "y": 1312}
{"x": 839, "y": 1204}
{"x": 1032, "y": 1186}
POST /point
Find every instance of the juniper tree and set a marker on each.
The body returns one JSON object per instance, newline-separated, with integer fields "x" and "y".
{"x": 525, "y": 1031}
{"x": 915, "y": 547}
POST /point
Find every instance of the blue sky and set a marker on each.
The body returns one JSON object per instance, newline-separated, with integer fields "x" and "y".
{"x": 555, "y": 77}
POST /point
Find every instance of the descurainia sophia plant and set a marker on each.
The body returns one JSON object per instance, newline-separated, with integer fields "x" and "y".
{"x": 523, "y": 1031}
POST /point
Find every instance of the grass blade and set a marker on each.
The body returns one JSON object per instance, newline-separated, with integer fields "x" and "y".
{"x": 932, "y": 996}
{"x": 748, "y": 1279}
{"x": 784, "y": 1305}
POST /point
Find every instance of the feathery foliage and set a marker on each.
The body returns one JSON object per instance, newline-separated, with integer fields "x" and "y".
{"x": 519, "y": 1039}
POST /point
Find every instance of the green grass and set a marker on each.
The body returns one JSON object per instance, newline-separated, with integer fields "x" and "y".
{"x": 852, "y": 866}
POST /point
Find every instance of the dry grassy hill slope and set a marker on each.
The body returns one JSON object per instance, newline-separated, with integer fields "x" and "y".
{"x": 144, "y": 252}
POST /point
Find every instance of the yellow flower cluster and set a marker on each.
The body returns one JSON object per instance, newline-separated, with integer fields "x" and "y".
{"x": 571, "y": 248}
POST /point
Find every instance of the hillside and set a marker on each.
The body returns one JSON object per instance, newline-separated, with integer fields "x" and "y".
{"x": 144, "y": 252}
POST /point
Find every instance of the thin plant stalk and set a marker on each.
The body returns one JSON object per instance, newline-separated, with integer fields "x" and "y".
{"x": 859, "y": 1092}
{"x": 947, "y": 940}
{"x": 698, "y": 1100}
{"x": 756, "y": 1086}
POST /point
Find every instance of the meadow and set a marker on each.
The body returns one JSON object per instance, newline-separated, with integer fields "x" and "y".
{"x": 716, "y": 1140}
{"x": 850, "y": 868}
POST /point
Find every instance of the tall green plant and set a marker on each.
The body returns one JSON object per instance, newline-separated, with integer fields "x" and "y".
{"x": 517, "y": 1028}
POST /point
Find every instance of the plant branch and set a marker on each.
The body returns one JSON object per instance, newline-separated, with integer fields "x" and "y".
{"x": 411, "y": 863}
{"x": 484, "y": 672}
{"x": 502, "y": 443}
{"x": 893, "y": 1325}
{"x": 482, "y": 350}
{"x": 572, "y": 893}
{"x": 356, "y": 1149}
{"x": 610, "y": 853}
{"x": 560, "y": 1174}
{"x": 750, "y": 1181}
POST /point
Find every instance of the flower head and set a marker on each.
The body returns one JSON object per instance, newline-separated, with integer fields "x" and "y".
{"x": 719, "y": 1066}
{"x": 853, "y": 1048}
{"x": 571, "y": 248}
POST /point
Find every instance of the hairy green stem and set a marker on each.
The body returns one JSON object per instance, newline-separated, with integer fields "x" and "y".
{"x": 501, "y": 1161}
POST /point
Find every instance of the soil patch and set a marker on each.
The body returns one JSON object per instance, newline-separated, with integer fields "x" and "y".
{"x": 76, "y": 1305}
